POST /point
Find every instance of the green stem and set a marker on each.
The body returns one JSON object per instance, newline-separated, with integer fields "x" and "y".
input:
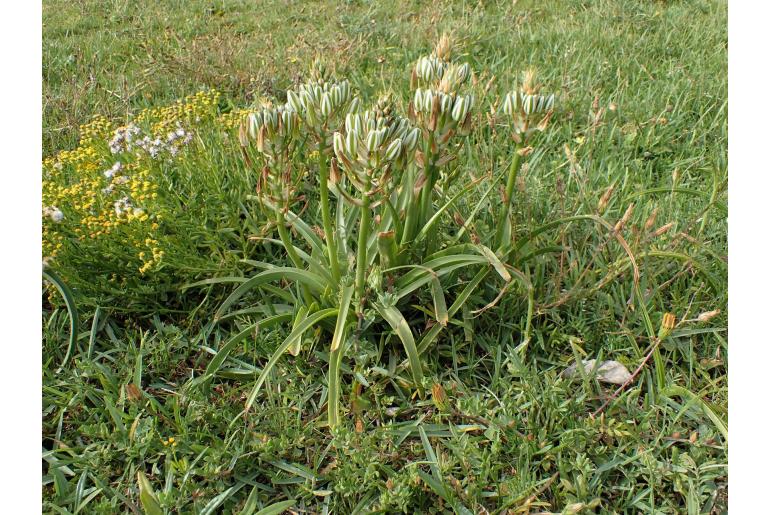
{"x": 331, "y": 246}
{"x": 411, "y": 214}
{"x": 513, "y": 172}
{"x": 426, "y": 201}
{"x": 427, "y": 190}
{"x": 363, "y": 238}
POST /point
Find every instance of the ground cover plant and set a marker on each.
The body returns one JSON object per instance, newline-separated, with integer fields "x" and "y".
{"x": 355, "y": 284}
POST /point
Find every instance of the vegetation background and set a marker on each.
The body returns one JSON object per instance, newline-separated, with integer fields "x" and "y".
{"x": 642, "y": 89}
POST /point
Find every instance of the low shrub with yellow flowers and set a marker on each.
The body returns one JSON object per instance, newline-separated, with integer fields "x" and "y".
{"x": 125, "y": 213}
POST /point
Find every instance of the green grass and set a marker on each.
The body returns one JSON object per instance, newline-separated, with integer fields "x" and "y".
{"x": 642, "y": 92}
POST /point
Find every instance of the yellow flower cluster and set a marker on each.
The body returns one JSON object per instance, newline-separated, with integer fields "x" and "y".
{"x": 171, "y": 441}
{"x": 152, "y": 256}
{"x": 94, "y": 196}
{"x": 77, "y": 183}
{"x": 96, "y": 131}
{"x": 190, "y": 110}
{"x": 233, "y": 119}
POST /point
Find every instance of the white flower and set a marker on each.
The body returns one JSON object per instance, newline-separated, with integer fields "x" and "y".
{"x": 54, "y": 213}
{"x": 122, "y": 205}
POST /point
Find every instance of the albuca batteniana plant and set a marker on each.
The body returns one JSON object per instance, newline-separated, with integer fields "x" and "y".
{"x": 379, "y": 248}
{"x": 529, "y": 113}
{"x": 441, "y": 111}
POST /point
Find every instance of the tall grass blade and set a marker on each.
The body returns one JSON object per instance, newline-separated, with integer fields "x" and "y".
{"x": 297, "y": 332}
{"x": 216, "y": 363}
{"x": 69, "y": 301}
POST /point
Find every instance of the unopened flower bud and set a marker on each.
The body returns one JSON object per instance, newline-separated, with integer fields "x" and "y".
{"x": 667, "y": 325}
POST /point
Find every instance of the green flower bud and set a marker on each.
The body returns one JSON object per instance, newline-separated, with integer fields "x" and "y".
{"x": 459, "y": 109}
{"x": 410, "y": 140}
{"x": 326, "y": 105}
{"x": 351, "y": 144}
{"x": 371, "y": 141}
{"x": 294, "y": 101}
{"x": 508, "y": 105}
{"x": 394, "y": 149}
{"x": 529, "y": 104}
{"x": 418, "y": 100}
{"x": 339, "y": 146}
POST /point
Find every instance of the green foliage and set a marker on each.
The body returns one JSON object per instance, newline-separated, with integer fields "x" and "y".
{"x": 485, "y": 248}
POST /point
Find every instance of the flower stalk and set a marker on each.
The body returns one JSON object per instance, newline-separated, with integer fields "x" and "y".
{"x": 363, "y": 238}
{"x": 331, "y": 242}
{"x": 513, "y": 173}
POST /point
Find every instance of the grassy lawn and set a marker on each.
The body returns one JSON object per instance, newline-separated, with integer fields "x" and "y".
{"x": 619, "y": 216}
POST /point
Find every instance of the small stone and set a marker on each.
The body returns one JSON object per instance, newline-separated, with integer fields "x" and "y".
{"x": 608, "y": 371}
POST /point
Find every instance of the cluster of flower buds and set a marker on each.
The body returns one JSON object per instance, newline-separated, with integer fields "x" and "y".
{"x": 442, "y": 114}
{"x": 529, "y": 111}
{"x": 275, "y": 131}
{"x": 322, "y": 103}
{"x": 432, "y": 72}
{"x": 273, "y": 128}
{"x": 430, "y": 68}
{"x": 54, "y": 213}
{"x": 131, "y": 138}
{"x": 373, "y": 145}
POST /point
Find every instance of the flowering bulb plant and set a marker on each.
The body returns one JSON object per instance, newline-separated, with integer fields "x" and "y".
{"x": 359, "y": 276}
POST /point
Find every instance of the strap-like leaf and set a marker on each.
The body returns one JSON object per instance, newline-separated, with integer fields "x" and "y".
{"x": 494, "y": 261}
{"x": 335, "y": 356}
{"x": 429, "y": 337}
{"x": 297, "y": 332}
{"x": 217, "y": 501}
{"x": 306, "y": 232}
{"x": 419, "y": 277}
{"x": 305, "y": 277}
{"x": 295, "y": 346}
{"x": 434, "y": 219}
{"x": 147, "y": 496}
{"x": 439, "y": 302}
{"x": 216, "y": 363}
{"x": 315, "y": 265}
{"x": 215, "y": 280}
{"x": 345, "y": 297}
{"x": 275, "y": 508}
{"x": 396, "y": 320}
